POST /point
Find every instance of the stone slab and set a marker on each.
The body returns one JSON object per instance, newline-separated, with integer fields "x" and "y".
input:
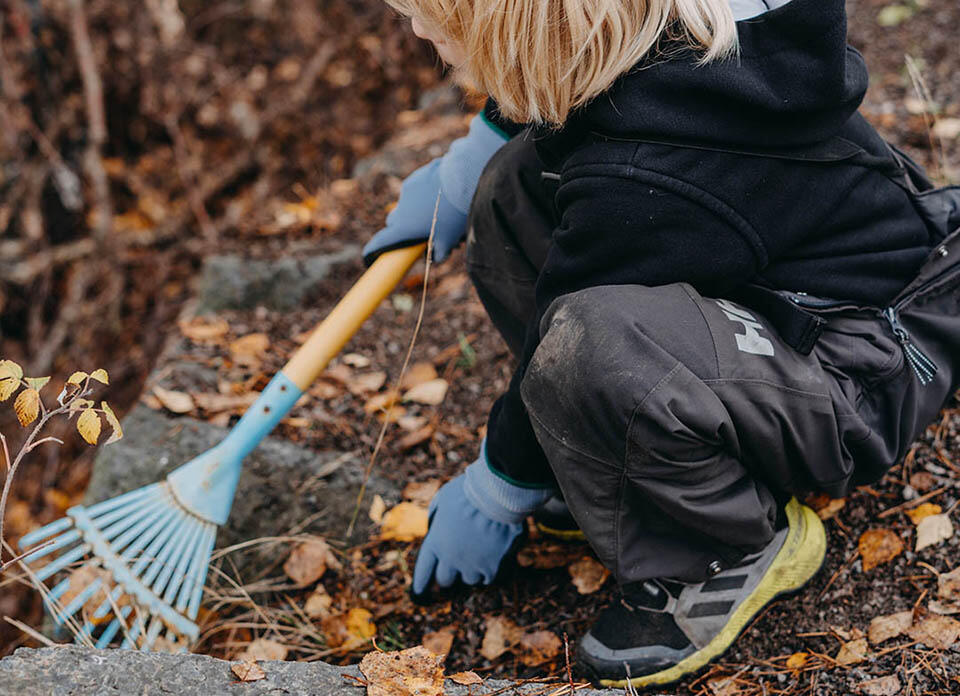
{"x": 75, "y": 671}
{"x": 234, "y": 282}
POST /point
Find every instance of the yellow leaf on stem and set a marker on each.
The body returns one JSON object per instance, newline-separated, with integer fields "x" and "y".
{"x": 27, "y": 406}
{"x": 100, "y": 375}
{"x": 77, "y": 377}
{"x": 88, "y": 425}
{"x": 37, "y": 383}
{"x": 113, "y": 422}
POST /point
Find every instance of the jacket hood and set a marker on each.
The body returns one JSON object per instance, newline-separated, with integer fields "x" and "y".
{"x": 794, "y": 82}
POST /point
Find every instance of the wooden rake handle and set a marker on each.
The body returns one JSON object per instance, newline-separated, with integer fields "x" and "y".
{"x": 346, "y": 318}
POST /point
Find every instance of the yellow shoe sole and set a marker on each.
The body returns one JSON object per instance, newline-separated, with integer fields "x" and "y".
{"x": 794, "y": 565}
{"x": 561, "y": 534}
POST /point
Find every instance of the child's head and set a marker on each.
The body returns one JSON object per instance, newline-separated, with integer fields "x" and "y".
{"x": 540, "y": 59}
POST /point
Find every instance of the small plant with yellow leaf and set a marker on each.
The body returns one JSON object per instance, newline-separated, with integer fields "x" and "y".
{"x": 31, "y": 411}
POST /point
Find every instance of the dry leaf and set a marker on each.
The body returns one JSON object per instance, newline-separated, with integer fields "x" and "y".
{"x": 829, "y": 507}
{"x": 415, "y": 438}
{"x": 174, "y": 401}
{"x": 355, "y": 360}
{"x": 538, "y": 647}
{"x": 881, "y": 686}
{"x": 932, "y": 530}
{"x": 946, "y": 128}
{"x": 547, "y": 555}
{"x": 381, "y": 402}
{"x": 100, "y": 375}
{"x": 9, "y": 382}
{"x": 878, "y": 546}
{"x": 212, "y": 403}
{"x": 263, "y": 649}
{"x": 411, "y": 423}
{"x": 360, "y": 625}
{"x": 377, "y": 508}
{"x": 500, "y": 635}
{"x": 247, "y": 350}
{"x": 937, "y": 632}
{"x": 948, "y": 584}
{"x": 724, "y": 686}
{"x": 412, "y": 672}
{"x": 588, "y": 575}
{"x": 112, "y": 422}
{"x": 27, "y": 406}
{"x": 77, "y": 378}
{"x": 430, "y": 393}
{"x": 886, "y": 627}
{"x": 418, "y": 373}
{"x": 203, "y": 329}
{"x": 797, "y": 660}
{"x": 37, "y": 383}
{"x": 921, "y": 511}
{"x": 441, "y": 641}
{"x": 88, "y": 425}
{"x": 421, "y": 492}
{"x": 404, "y": 522}
{"x": 366, "y": 383}
{"x": 309, "y": 561}
{"x": 248, "y": 672}
{"x": 318, "y": 604}
{"x": 923, "y": 481}
{"x": 852, "y": 652}
{"x": 466, "y": 678}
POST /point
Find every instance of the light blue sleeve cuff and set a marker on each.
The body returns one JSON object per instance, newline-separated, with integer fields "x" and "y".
{"x": 497, "y": 499}
{"x": 461, "y": 167}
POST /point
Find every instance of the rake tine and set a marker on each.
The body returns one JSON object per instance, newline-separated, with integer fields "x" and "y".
{"x": 133, "y": 535}
{"x": 59, "y": 589}
{"x": 152, "y": 634}
{"x": 186, "y": 541}
{"x": 28, "y": 540}
{"x": 63, "y": 561}
{"x": 179, "y": 574}
{"x": 77, "y": 603}
{"x": 194, "y": 606}
{"x": 203, "y": 549}
{"x": 131, "y": 497}
{"x": 113, "y": 628}
{"x": 57, "y": 544}
{"x": 126, "y": 521}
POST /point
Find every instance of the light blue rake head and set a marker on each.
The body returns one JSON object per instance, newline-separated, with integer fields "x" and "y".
{"x": 154, "y": 542}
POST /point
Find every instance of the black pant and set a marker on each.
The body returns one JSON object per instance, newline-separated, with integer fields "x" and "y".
{"x": 676, "y": 424}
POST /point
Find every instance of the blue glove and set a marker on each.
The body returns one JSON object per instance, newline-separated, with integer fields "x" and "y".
{"x": 454, "y": 176}
{"x": 475, "y": 519}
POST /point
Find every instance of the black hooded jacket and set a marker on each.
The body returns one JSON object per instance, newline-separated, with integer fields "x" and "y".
{"x": 753, "y": 170}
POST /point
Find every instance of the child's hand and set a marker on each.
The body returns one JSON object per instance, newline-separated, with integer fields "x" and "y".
{"x": 475, "y": 520}
{"x": 453, "y": 178}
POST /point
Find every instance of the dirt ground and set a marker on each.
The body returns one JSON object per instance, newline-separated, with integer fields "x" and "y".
{"x": 459, "y": 340}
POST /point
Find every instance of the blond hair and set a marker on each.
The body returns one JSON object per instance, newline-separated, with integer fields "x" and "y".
{"x": 541, "y": 59}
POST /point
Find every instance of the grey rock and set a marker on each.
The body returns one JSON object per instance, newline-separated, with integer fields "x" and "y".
{"x": 75, "y": 671}
{"x": 233, "y": 282}
{"x": 283, "y": 487}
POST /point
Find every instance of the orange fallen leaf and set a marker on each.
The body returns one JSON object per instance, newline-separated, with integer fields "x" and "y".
{"x": 466, "y": 678}
{"x": 412, "y": 672}
{"x": 381, "y": 402}
{"x": 404, "y": 522}
{"x": 878, "y": 546}
{"x": 430, "y": 393}
{"x": 263, "y": 649}
{"x": 366, "y": 383}
{"x": 588, "y": 575}
{"x": 421, "y": 492}
{"x": 360, "y": 624}
{"x": 309, "y": 561}
{"x": 174, "y": 401}
{"x": 441, "y": 641}
{"x": 377, "y": 508}
{"x": 500, "y": 636}
{"x": 538, "y": 647}
{"x": 248, "y": 350}
{"x": 797, "y": 660}
{"x": 417, "y": 437}
{"x": 418, "y": 373}
{"x": 921, "y": 511}
{"x": 318, "y": 604}
{"x": 547, "y": 555}
{"x": 204, "y": 329}
{"x": 248, "y": 672}
{"x": 356, "y": 360}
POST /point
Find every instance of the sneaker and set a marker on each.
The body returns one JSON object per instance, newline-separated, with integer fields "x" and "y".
{"x": 554, "y": 519}
{"x": 662, "y": 631}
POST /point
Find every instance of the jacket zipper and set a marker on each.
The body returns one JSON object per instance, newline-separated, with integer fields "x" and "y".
{"x": 923, "y": 367}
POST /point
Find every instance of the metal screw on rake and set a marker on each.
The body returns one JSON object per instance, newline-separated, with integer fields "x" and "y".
{"x": 155, "y": 542}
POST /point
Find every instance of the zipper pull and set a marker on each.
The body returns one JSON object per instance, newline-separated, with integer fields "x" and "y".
{"x": 923, "y": 367}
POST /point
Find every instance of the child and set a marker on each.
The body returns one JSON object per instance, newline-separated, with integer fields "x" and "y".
{"x": 722, "y": 288}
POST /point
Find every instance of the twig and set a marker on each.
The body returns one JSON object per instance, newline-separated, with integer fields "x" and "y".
{"x": 911, "y": 503}
{"x": 403, "y": 370}
{"x": 39, "y": 637}
{"x": 846, "y": 564}
{"x": 566, "y": 659}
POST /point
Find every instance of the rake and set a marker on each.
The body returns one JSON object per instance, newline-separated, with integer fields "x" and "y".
{"x": 154, "y": 543}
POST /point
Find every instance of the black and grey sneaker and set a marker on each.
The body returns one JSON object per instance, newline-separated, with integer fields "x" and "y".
{"x": 553, "y": 518}
{"x": 662, "y": 631}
